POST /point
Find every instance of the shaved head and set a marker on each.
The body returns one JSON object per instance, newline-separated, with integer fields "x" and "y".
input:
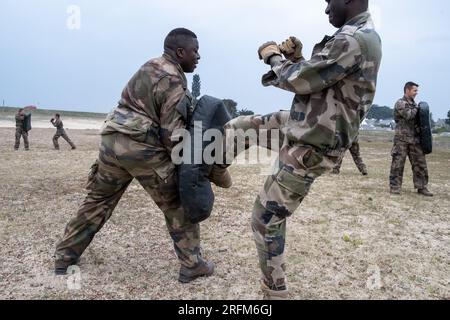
{"x": 178, "y": 38}
{"x": 341, "y": 11}
{"x": 182, "y": 45}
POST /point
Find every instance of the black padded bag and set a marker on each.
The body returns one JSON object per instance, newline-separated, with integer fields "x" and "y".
{"x": 426, "y": 136}
{"x": 27, "y": 123}
{"x": 196, "y": 194}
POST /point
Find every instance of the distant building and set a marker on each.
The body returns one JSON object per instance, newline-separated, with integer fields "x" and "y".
{"x": 378, "y": 125}
{"x": 441, "y": 123}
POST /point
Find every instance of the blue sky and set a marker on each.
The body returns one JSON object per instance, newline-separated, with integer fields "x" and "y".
{"x": 45, "y": 62}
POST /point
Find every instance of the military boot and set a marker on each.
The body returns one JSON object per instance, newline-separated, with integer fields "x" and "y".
{"x": 364, "y": 171}
{"x": 202, "y": 269}
{"x": 269, "y": 294}
{"x": 425, "y": 192}
{"x": 61, "y": 265}
{"x": 395, "y": 191}
{"x": 220, "y": 177}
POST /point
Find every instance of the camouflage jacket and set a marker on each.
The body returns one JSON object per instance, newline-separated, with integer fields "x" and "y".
{"x": 152, "y": 104}
{"x": 20, "y": 118}
{"x": 334, "y": 89}
{"x": 405, "y": 116}
{"x": 58, "y": 124}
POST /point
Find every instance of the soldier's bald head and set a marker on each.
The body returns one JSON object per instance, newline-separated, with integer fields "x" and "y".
{"x": 178, "y": 38}
{"x": 341, "y": 11}
{"x": 182, "y": 45}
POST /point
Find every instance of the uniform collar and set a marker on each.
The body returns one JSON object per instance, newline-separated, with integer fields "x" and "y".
{"x": 359, "y": 20}
{"x": 409, "y": 100}
{"x": 169, "y": 59}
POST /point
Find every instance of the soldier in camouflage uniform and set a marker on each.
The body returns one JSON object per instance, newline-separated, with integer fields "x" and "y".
{"x": 356, "y": 155}
{"x": 407, "y": 144}
{"x": 334, "y": 90}
{"x": 136, "y": 143}
{"x": 20, "y": 132}
{"x": 60, "y": 132}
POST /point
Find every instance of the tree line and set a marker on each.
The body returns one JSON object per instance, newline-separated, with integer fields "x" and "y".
{"x": 230, "y": 104}
{"x": 376, "y": 112}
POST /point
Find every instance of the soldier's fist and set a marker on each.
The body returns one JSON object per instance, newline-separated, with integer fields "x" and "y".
{"x": 292, "y": 49}
{"x": 268, "y": 50}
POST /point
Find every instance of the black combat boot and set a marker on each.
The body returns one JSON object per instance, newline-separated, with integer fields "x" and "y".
{"x": 364, "y": 171}
{"x": 61, "y": 266}
{"x": 270, "y": 294}
{"x": 220, "y": 177}
{"x": 425, "y": 192}
{"x": 203, "y": 269}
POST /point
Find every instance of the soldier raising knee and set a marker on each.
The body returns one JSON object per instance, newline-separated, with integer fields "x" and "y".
{"x": 60, "y": 132}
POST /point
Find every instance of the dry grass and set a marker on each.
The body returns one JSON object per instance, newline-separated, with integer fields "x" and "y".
{"x": 348, "y": 228}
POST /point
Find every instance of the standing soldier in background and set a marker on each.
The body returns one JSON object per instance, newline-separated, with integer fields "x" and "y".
{"x": 60, "y": 132}
{"x": 407, "y": 143}
{"x": 23, "y": 122}
{"x": 356, "y": 155}
{"x": 334, "y": 90}
{"x": 136, "y": 144}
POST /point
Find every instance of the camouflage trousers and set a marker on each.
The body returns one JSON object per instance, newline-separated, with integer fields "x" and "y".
{"x": 20, "y": 133}
{"x": 299, "y": 167}
{"x": 63, "y": 135}
{"x": 414, "y": 152}
{"x": 356, "y": 155}
{"x": 122, "y": 159}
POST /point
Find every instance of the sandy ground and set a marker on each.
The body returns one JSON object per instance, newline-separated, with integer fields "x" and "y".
{"x": 349, "y": 240}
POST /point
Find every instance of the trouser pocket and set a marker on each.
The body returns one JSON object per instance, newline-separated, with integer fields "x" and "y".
{"x": 92, "y": 176}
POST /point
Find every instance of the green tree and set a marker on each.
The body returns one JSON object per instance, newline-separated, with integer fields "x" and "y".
{"x": 433, "y": 123}
{"x": 380, "y": 113}
{"x": 245, "y": 112}
{"x": 448, "y": 118}
{"x": 196, "y": 86}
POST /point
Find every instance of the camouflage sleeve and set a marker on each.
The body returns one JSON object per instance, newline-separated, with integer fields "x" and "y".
{"x": 169, "y": 92}
{"x": 339, "y": 58}
{"x": 268, "y": 122}
{"x": 403, "y": 110}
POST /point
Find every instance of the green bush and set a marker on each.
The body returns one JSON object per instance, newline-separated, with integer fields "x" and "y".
{"x": 440, "y": 130}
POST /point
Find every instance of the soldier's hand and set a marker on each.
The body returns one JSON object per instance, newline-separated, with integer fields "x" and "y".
{"x": 268, "y": 50}
{"x": 292, "y": 49}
